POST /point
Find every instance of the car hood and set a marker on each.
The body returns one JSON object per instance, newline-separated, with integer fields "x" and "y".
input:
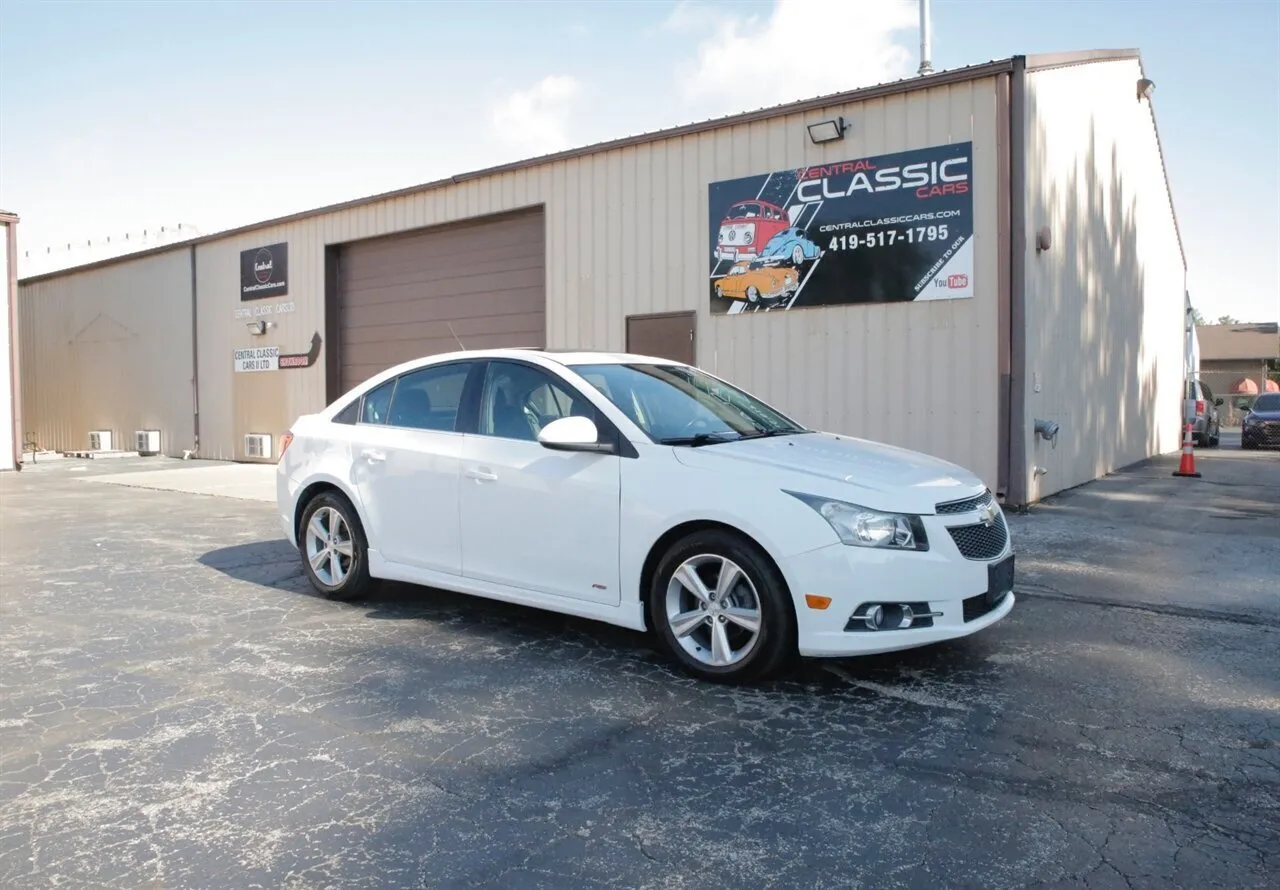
{"x": 1263, "y": 415}
{"x": 875, "y": 475}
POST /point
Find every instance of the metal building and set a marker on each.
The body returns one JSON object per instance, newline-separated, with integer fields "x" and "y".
{"x": 937, "y": 263}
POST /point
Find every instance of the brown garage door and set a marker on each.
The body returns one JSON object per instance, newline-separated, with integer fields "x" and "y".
{"x": 408, "y": 296}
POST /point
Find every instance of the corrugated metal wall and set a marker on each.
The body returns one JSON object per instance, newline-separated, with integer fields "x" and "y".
{"x": 627, "y": 234}
{"x": 1104, "y": 305}
{"x": 109, "y": 349}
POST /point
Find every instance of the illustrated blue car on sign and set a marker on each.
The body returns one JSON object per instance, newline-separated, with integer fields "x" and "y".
{"x": 789, "y": 244}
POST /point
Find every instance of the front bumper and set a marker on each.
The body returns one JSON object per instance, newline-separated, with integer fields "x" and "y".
{"x": 853, "y": 576}
{"x": 1264, "y": 435}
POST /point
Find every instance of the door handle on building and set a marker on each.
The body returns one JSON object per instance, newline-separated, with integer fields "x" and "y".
{"x": 482, "y": 475}
{"x": 372, "y": 456}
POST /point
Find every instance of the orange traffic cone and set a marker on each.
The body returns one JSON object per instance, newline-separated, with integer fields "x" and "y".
{"x": 1187, "y": 467}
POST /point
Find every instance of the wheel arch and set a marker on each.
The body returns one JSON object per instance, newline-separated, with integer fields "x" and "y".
{"x": 664, "y": 542}
{"x": 315, "y": 488}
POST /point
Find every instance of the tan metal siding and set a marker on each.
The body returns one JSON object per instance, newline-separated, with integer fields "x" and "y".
{"x": 232, "y": 404}
{"x": 626, "y": 234}
{"x": 920, "y": 375}
{"x": 109, "y": 349}
{"x": 479, "y": 284}
{"x": 1105, "y": 330}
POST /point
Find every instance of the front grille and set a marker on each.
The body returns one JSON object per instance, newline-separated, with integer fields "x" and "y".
{"x": 979, "y": 541}
{"x": 977, "y": 606}
{"x": 968, "y": 505}
{"x": 1265, "y": 433}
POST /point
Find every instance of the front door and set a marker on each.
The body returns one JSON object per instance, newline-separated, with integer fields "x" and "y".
{"x": 406, "y": 459}
{"x": 532, "y": 518}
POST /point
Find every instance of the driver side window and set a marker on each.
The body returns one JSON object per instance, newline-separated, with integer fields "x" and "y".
{"x": 519, "y": 400}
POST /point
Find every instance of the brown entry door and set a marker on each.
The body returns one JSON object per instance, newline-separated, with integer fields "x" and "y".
{"x": 665, "y": 335}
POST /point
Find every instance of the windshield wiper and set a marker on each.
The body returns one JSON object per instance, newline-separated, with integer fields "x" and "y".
{"x": 768, "y": 434}
{"x": 701, "y": 439}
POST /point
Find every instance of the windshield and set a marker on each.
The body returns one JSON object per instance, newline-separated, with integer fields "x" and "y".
{"x": 680, "y": 405}
{"x": 1269, "y": 402}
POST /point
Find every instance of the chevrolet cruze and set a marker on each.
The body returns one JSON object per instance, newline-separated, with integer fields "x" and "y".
{"x": 645, "y": 493}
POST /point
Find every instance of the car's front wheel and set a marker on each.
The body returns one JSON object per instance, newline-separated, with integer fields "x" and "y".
{"x": 335, "y": 554}
{"x": 722, "y": 609}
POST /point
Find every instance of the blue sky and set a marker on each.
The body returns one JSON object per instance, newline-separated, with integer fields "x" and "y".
{"x": 119, "y": 117}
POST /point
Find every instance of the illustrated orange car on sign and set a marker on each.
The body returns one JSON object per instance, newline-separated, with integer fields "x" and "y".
{"x": 755, "y": 281}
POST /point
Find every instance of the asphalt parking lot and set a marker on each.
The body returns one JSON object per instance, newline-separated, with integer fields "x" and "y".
{"x": 178, "y": 710}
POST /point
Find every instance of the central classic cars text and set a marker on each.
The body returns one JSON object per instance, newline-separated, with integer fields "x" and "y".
{"x": 930, "y": 180}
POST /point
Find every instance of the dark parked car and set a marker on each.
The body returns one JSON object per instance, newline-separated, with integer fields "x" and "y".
{"x": 1261, "y": 426}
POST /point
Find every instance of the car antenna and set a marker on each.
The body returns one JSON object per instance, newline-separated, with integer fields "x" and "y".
{"x": 455, "y": 335}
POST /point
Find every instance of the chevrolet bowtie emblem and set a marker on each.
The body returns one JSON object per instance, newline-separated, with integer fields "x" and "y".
{"x": 988, "y": 514}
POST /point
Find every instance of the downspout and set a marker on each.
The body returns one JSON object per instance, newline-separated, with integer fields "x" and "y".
{"x": 1017, "y": 457}
{"x": 195, "y": 359}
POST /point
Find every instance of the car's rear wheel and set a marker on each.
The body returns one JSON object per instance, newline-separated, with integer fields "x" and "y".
{"x": 722, "y": 609}
{"x": 335, "y": 553}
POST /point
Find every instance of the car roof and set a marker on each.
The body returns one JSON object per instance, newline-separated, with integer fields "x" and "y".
{"x": 558, "y": 356}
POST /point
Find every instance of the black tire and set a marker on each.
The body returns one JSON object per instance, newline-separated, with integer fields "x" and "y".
{"x": 1216, "y": 439}
{"x": 775, "y": 648}
{"x": 357, "y": 582}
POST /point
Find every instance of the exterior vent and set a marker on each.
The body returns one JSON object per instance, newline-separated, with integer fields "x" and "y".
{"x": 100, "y": 440}
{"x": 257, "y": 445}
{"x": 148, "y": 442}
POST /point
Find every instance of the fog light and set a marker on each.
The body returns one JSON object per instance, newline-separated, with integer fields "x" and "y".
{"x": 875, "y": 617}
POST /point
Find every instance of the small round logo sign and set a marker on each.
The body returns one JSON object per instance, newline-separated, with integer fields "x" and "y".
{"x": 262, "y": 266}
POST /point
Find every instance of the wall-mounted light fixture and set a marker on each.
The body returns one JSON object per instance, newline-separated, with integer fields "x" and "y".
{"x": 259, "y": 327}
{"x": 1044, "y": 239}
{"x": 1145, "y": 88}
{"x": 827, "y": 131}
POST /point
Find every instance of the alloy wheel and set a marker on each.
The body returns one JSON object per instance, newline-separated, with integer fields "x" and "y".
{"x": 713, "y": 610}
{"x": 330, "y": 549}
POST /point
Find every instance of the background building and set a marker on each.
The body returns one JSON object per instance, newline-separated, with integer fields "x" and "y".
{"x": 10, "y": 392}
{"x": 1238, "y": 361}
{"x": 940, "y": 263}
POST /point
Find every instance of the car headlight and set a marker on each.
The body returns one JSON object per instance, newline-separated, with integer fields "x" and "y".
{"x": 860, "y": 526}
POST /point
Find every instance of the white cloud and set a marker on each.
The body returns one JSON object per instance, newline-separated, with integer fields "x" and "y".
{"x": 803, "y": 48}
{"x": 537, "y": 119}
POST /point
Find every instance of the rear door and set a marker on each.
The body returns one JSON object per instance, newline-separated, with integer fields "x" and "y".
{"x": 406, "y": 466}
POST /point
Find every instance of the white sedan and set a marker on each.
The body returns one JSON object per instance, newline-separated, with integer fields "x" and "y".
{"x": 648, "y": 494}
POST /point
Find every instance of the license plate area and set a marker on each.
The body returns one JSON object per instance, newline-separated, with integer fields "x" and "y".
{"x": 999, "y": 579}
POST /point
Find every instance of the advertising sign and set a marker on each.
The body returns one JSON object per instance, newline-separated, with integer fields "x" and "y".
{"x": 264, "y": 272}
{"x": 258, "y": 358}
{"x": 886, "y": 229}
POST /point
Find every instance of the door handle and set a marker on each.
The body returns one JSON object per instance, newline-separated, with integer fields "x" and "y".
{"x": 482, "y": 475}
{"x": 373, "y": 456}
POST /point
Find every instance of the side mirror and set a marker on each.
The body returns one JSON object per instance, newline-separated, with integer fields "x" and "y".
{"x": 573, "y": 434}
{"x": 1217, "y": 401}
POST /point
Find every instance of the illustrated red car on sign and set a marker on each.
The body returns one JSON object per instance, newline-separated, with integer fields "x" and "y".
{"x": 747, "y": 227}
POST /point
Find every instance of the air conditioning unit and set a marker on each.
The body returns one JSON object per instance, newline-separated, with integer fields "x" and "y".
{"x": 257, "y": 445}
{"x": 148, "y": 442}
{"x": 100, "y": 440}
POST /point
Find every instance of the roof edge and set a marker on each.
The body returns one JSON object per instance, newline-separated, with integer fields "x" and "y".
{"x": 862, "y": 94}
{"x": 7, "y": 217}
{"x": 1047, "y": 61}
